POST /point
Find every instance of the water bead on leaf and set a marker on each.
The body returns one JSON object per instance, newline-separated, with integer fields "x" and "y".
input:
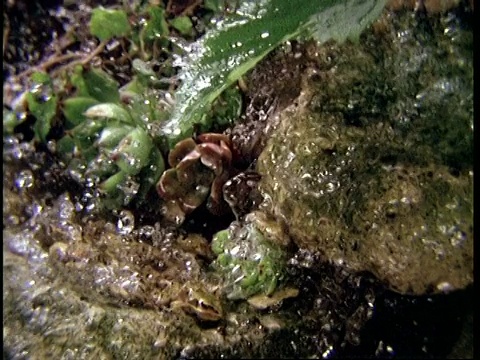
{"x": 132, "y": 153}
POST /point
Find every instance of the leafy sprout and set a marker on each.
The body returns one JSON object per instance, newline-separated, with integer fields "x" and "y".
{"x": 107, "y": 23}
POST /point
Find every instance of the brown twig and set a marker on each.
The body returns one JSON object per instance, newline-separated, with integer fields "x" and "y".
{"x": 82, "y": 59}
{"x": 47, "y": 64}
{"x": 95, "y": 52}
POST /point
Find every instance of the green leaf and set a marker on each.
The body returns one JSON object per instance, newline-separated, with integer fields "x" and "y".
{"x": 132, "y": 153}
{"x": 218, "y": 6}
{"x": 78, "y": 81}
{"x": 183, "y": 24}
{"x": 111, "y": 185}
{"x": 132, "y": 88}
{"x": 239, "y": 42}
{"x": 65, "y": 145}
{"x": 111, "y": 135}
{"x": 151, "y": 173}
{"x": 101, "y": 86}
{"x": 40, "y": 78}
{"x": 106, "y": 24}
{"x": 213, "y": 5}
{"x": 74, "y": 108}
{"x": 42, "y": 103}
{"x": 156, "y": 26}
{"x": 226, "y": 108}
{"x": 109, "y": 111}
{"x": 10, "y": 120}
{"x": 143, "y": 68}
{"x": 87, "y": 133}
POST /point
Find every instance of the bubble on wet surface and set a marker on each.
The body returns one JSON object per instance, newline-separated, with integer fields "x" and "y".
{"x": 34, "y": 209}
{"x": 125, "y": 222}
{"x": 13, "y": 149}
{"x": 146, "y": 232}
{"x": 66, "y": 209}
{"x": 24, "y": 180}
{"x": 130, "y": 190}
{"x": 24, "y": 243}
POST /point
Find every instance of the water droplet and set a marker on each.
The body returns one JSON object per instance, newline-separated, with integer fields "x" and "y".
{"x": 328, "y": 352}
{"x": 65, "y": 209}
{"x": 126, "y": 222}
{"x": 24, "y": 179}
{"x": 78, "y": 206}
{"x": 130, "y": 190}
{"x": 265, "y": 34}
{"x": 458, "y": 237}
{"x": 52, "y": 146}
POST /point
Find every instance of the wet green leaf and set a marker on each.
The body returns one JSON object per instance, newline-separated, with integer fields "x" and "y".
{"x": 239, "y": 42}
{"x": 74, "y": 108}
{"x": 220, "y": 5}
{"x": 101, "y": 86}
{"x": 151, "y": 173}
{"x": 106, "y": 23}
{"x": 111, "y": 185}
{"x": 132, "y": 153}
{"x": 77, "y": 80}
{"x": 40, "y": 78}
{"x": 156, "y": 26}
{"x": 65, "y": 145}
{"x": 183, "y": 24}
{"x": 10, "y": 120}
{"x": 142, "y": 68}
{"x": 42, "y": 103}
{"x": 87, "y": 133}
{"x": 146, "y": 76}
{"x": 226, "y": 108}
{"x": 109, "y": 111}
{"x": 133, "y": 87}
{"x": 111, "y": 135}
{"x": 213, "y": 5}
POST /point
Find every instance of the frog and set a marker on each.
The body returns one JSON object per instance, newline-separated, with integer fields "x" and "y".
{"x": 196, "y": 301}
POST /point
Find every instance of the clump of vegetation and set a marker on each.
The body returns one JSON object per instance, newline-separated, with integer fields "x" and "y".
{"x": 114, "y": 128}
{"x": 251, "y": 260}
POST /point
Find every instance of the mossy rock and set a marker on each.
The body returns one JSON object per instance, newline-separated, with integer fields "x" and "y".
{"x": 373, "y": 164}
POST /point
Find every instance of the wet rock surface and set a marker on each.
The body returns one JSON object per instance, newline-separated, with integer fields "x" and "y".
{"x": 87, "y": 288}
{"x": 373, "y": 164}
{"x": 82, "y": 287}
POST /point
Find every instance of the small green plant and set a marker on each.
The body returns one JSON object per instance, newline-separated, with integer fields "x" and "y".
{"x": 249, "y": 261}
{"x": 109, "y": 137}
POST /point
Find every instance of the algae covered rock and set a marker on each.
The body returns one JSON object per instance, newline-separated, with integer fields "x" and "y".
{"x": 373, "y": 164}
